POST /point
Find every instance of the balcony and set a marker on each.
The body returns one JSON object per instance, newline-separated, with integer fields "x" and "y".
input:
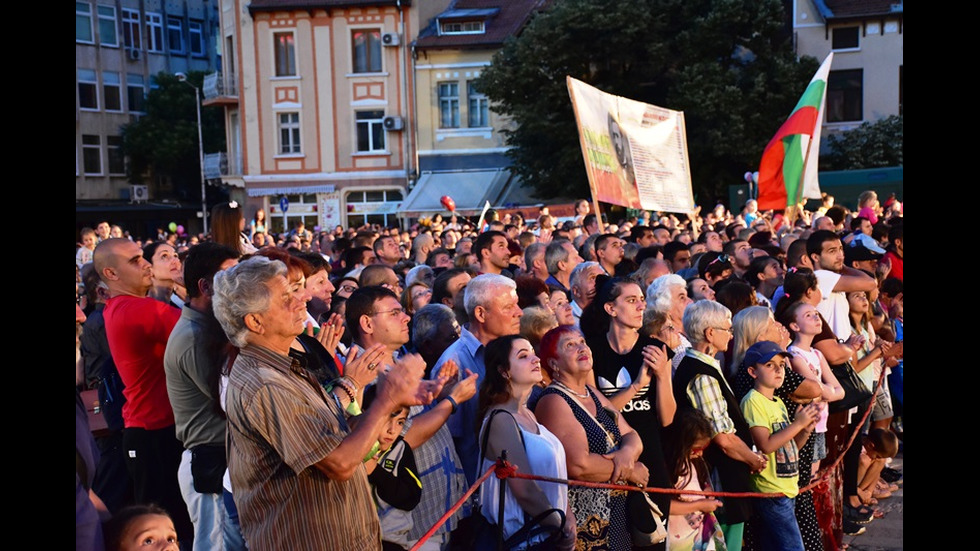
{"x": 220, "y": 89}
{"x": 217, "y": 165}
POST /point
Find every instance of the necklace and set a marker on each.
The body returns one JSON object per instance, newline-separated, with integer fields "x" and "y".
{"x": 570, "y": 389}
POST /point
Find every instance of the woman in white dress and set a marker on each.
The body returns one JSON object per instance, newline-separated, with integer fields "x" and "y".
{"x": 512, "y": 370}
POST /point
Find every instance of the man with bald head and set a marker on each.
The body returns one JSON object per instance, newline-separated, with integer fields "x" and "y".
{"x": 137, "y": 328}
{"x": 823, "y": 223}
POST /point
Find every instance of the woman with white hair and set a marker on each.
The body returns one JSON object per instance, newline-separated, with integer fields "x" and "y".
{"x": 668, "y": 295}
{"x": 699, "y": 383}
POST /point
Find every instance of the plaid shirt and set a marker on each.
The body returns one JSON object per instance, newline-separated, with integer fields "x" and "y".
{"x": 705, "y": 394}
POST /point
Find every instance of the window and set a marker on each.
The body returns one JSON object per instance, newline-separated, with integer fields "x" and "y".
{"x": 285, "y": 54}
{"x": 370, "y": 131}
{"x": 112, "y": 91}
{"x": 175, "y": 34}
{"x": 845, "y": 91}
{"x": 448, "y": 105}
{"x": 373, "y": 207}
{"x": 107, "y": 26}
{"x": 195, "y": 31}
{"x": 154, "y": 32}
{"x": 88, "y": 89}
{"x": 92, "y": 154}
{"x": 367, "y": 50}
{"x": 117, "y": 162}
{"x": 135, "y": 92}
{"x": 846, "y": 38}
{"x": 83, "y": 23}
{"x": 289, "y": 133}
{"x": 132, "y": 35}
{"x": 463, "y": 27}
{"x": 479, "y": 108}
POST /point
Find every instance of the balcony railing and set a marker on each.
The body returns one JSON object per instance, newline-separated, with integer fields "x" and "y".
{"x": 217, "y": 85}
{"x": 220, "y": 164}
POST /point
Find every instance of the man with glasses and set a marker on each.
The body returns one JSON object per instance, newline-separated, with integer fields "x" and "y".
{"x": 375, "y": 316}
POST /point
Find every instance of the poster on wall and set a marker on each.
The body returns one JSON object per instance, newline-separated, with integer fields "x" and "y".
{"x": 330, "y": 214}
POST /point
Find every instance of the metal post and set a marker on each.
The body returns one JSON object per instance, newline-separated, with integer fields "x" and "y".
{"x": 500, "y": 506}
{"x": 200, "y": 152}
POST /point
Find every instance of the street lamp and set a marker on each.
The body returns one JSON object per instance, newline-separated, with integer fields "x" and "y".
{"x": 200, "y": 149}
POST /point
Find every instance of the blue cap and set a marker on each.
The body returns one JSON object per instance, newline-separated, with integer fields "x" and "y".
{"x": 762, "y": 352}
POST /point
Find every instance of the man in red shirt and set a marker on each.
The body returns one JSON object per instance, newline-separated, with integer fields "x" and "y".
{"x": 896, "y": 252}
{"x": 137, "y": 328}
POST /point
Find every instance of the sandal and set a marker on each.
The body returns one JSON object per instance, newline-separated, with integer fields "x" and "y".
{"x": 860, "y": 515}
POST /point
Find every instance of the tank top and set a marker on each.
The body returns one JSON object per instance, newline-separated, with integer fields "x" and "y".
{"x": 812, "y": 359}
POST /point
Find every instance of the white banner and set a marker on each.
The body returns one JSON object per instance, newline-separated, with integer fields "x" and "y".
{"x": 635, "y": 153}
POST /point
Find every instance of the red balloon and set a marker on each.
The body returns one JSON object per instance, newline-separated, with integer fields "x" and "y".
{"x": 448, "y": 202}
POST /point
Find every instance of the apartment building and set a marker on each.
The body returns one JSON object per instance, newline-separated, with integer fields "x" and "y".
{"x": 120, "y": 45}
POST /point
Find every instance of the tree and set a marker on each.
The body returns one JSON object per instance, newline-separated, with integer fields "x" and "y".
{"x": 871, "y": 145}
{"x": 726, "y": 63}
{"x": 162, "y": 144}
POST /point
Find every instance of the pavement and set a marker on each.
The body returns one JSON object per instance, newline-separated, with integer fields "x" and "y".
{"x": 887, "y": 533}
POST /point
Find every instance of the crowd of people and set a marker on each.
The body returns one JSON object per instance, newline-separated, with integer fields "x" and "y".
{"x": 343, "y": 388}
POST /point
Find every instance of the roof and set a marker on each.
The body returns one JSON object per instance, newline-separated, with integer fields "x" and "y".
{"x": 856, "y": 9}
{"x": 501, "y": 18}
{"x": 283, "y": 5}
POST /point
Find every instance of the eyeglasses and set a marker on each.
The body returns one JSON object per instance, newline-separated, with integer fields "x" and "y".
{"x": 395, "y": 312}
{"x": 420, "y": 294}
{"x": 726, "y": 329}
{"x": 348, "y": 288}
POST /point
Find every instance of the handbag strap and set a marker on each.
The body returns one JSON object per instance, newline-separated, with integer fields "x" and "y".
{"x": 559, "y": 387}
{"x": 532, "y": 527}
{"x": 486, "y": 430}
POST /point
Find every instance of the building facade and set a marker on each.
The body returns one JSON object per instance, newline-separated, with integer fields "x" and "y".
{"x": 318, "y": 97}
{"x": 120, "y": 45}
{"x": 867, "y": 37}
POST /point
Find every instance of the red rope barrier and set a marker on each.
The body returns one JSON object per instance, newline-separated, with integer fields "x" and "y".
{"x": 503, "y": 469}
{"x": 442, "y": 520}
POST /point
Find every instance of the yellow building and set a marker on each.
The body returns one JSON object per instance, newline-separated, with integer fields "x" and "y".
{"x": 461, "y": 150}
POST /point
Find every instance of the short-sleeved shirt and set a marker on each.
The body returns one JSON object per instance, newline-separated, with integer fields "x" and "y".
{"x": 137, "y": 329}
{"x": 280, "y": 424}
{"x": 705, "y": 394}
{"x": 189, "y": 368}
{"x": 833, "y": 306}
{"x": 467, "y": 352}
{"x": 782, "y": 472}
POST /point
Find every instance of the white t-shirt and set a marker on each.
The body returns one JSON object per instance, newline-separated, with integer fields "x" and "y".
{"x": 833, "y": 306}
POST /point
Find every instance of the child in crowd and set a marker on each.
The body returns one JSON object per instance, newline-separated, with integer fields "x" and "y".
{"x": 141, "y": 527}
{"x": 878, "y": 447}
{"x": 692, "y": 523}
{"x": 394, "y": 477}
{"x": 776, "y": 436}
{"x": 804, "y": 324}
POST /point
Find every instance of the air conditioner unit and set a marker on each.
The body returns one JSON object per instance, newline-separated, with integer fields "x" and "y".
{"x": 139, "y": 194}
{"x": 390, "y": 39}
{"x": 134, "y": 54}
{"x": 393, "y": 123}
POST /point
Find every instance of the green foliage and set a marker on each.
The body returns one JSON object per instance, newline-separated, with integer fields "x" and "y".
{"x": 871, "y": 145}
{"x": 725, "y": 63}
{"x": 162, "y": 144}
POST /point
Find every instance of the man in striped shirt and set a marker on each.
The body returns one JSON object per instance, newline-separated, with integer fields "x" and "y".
{"x": 296, "y": 465}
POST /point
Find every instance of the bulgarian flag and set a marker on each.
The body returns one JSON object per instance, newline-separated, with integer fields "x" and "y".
{"x": 788, "y": 170}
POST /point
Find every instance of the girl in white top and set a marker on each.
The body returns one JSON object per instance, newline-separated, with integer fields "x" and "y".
{"x": 512, "y": 370}
{"x": 804, "y": 324}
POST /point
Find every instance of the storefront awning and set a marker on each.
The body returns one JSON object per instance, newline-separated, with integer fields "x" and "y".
{"x": 469, "y": 190}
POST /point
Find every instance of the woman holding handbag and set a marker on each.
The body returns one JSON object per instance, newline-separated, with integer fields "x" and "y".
{"x": 536, "y": 514}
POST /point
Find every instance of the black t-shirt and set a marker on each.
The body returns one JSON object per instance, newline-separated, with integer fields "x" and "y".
{"x": 614, "y": 372}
